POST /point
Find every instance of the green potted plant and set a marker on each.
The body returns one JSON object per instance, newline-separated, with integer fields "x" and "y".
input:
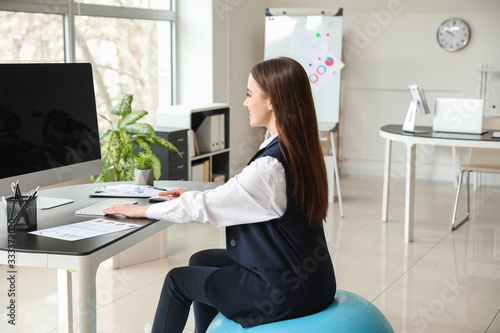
{"x": 143, "y": 173}
{"x": 125, "y": 141}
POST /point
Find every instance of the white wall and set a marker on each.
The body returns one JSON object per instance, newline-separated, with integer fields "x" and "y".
{"x": 404, "y": 51}
{"x": 194, "y": 52}
{"x": 388, "y": 45}
{"x": 215, "y": 54}
{"x": 246, "y": 48}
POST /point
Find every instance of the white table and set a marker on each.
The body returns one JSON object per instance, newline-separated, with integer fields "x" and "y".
{"x": 395, "y": 133}
{"x": 79, "y": 260}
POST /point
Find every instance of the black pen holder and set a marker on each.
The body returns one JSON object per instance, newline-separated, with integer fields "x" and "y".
{"x": 23, "y": 217}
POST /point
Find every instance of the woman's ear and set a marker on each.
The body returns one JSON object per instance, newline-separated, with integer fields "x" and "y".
{"x": 270, "y": 106}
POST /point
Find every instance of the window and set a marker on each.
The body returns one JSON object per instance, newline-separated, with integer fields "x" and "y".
{"x": 127, "y": 57}
{"x": 31, "y": 37}
{"x": 130, "y": 49}
{"x": 151, "y": 4}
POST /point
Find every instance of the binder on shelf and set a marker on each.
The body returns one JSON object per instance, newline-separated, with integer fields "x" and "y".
{"x": 207, "y": 134}
{"x": 222, "y": 134}
{"x": 210, "y": 136}
{"x": 194, "y": 150}
{"x": 206, "y": 171}
{"x": 197, "y": 172}
{"x": 200, "y": 172}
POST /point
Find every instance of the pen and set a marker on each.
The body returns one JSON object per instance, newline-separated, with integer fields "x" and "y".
{"x": 18, "y": 194}
{"x": 32, "y": 195}
{"x": 160, "y": 188}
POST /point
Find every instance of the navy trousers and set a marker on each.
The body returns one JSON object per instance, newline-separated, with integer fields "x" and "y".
{"x": 186, "y": 285}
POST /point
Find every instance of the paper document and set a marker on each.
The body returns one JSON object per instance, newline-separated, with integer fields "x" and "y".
{"x": 130, "y": 191}
{"x": 87, "y": 229}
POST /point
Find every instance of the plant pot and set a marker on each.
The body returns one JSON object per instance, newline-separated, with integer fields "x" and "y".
{"x": 144, "y": 177}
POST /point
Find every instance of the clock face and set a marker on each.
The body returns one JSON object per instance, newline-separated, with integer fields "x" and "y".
{"x": 453, "y": 34}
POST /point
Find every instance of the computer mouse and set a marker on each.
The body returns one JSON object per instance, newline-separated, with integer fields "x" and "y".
{"x": 157, "y": 198}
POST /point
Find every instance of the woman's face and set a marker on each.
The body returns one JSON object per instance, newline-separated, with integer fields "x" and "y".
{"x": 259, "y": 107}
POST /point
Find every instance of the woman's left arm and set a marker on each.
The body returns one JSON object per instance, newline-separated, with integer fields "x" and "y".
{"x": 128, "y": 210}
{"x": 140, "y": 211}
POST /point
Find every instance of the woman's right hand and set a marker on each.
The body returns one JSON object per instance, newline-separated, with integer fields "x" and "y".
{"x": 173, "y": 193}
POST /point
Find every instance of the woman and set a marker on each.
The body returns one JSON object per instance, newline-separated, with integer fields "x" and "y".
{"x": 276, "y": 264}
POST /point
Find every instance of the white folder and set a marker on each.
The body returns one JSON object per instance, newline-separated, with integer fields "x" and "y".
{"x": 207, "y": 135}
{"x": 222, "y": 134}
{"x": 197, "y": 172}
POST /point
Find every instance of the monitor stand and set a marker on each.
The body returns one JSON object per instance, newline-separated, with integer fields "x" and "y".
{"x": 409, "y": 124}
{"x": 48, "y": 203}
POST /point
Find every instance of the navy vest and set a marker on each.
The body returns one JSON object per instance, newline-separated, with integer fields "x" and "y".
{"x": 284, "y": 268}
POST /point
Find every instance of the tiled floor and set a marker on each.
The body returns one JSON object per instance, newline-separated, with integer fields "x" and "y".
{"x": 442, "y": 282}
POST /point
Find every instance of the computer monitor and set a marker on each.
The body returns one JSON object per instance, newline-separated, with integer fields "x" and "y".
{"x": 48, "y": 125}
{"x": 418, "y": 105}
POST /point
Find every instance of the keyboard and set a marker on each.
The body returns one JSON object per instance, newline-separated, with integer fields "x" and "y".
{"x": 97, "y": 209}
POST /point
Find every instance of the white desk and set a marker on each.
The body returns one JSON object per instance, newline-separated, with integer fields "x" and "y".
{"x": 80, "y": 259}
{"x": 395, "y": 133}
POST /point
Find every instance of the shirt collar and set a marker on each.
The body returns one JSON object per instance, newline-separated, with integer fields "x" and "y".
{"x": 268, "y": 141}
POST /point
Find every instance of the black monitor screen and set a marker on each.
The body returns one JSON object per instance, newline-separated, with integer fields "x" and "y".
{"x": 47, "y": 117}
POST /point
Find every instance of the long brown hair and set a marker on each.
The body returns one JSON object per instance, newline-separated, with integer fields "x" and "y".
{"x": 285, "y": 82}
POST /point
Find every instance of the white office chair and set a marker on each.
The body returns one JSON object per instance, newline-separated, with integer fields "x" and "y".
{"x": 480, "y": 160}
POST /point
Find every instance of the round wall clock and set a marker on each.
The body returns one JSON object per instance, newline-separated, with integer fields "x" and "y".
{"x": 453, "y": 34}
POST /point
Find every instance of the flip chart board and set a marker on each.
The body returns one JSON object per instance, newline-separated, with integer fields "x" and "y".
{"x": 313, "y": 37}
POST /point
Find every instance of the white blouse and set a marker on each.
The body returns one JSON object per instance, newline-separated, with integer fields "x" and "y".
{"x": 257, "y": 194}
